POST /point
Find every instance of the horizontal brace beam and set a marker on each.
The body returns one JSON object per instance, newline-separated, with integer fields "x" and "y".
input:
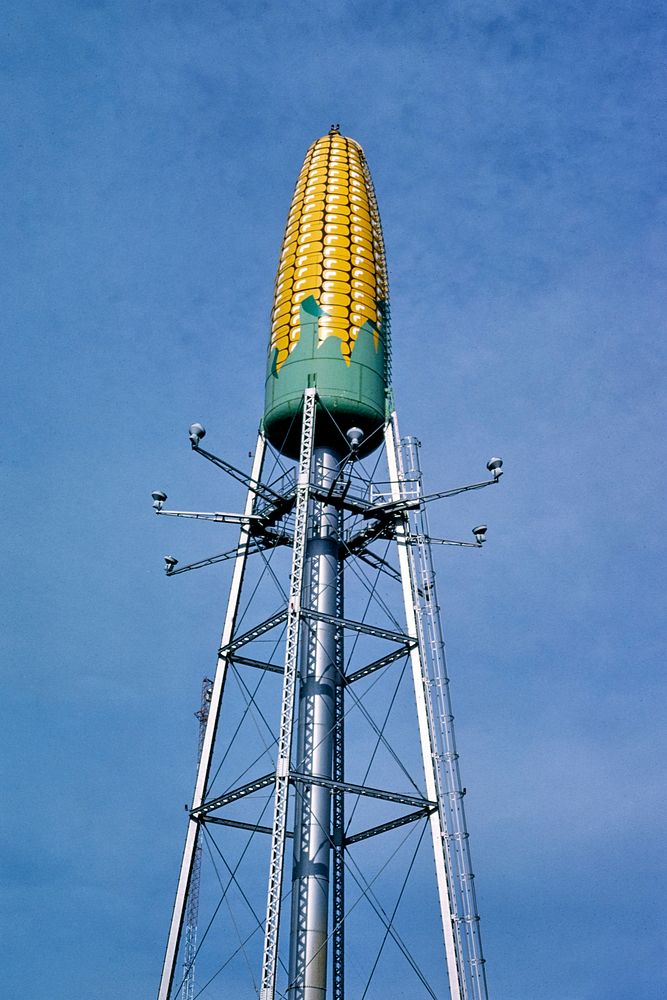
{"x": 238, "y": 825}
{"x": 247, "y": 661}
{"x": 254, "y": 633}
{"x": 373, "y": 793}
{"x": 383, "y": 661}
{"x": 394, "y": 824}
{"x": 234, "y": 795}
{"x": 379, "y": 633}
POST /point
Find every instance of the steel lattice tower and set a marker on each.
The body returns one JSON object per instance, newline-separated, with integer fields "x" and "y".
{"x": 329, "y": 405}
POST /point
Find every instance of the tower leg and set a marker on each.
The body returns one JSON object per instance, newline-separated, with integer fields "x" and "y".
{"x": 319, "y": 680}
{"x": 292, "y": 647}
{"x": 193, "y": 831}
{"x": 427, "y": 738}
{"x": 338, "y": 823}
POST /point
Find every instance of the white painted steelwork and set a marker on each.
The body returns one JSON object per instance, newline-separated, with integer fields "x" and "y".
{"x": 192, "y": 835}
{"x": 460, "y": 918}
{"x": 192, "y": 909}
{"x": 272, "y": 924}
{"x": 424, "y": 714}
{"x": 308, "y": 515}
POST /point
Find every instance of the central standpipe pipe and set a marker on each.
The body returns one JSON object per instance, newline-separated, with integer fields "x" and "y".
{"x": 315, "y": 744}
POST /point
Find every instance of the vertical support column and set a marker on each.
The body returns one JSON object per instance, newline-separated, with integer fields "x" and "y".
{"x": 192, "y": 908}
{"x": 338, "y": 824}
{"x": 272, "y": 924}
{"x": 427, "y": 740}
{"x": 192, "y": 834}
{"x": 319, "y": 676}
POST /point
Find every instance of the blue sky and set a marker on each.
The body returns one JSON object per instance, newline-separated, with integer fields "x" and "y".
{"x": 149, "y": 153}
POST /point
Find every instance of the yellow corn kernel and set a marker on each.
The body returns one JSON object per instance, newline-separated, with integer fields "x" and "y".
{"x": 336, "y": 229}
{"x": 361, "y": 258}
{"x": 360, "y": 296}
{"x": 305, "y": 259}
{"x": 334, "y": 299}
{"x": 341, "y": 287}
{"x": 308, "y": 245}
{"x": 361, "y": 241}
{"x": 313, "y": 202}
{"x": 331, "y": 274}
{"x": 284, "y": 274}
{"x": 337, "y": 219}
{"x": 307, "y": 286}
{"x": 360, "y": 212}
{"x": 312, "y": 271}
{"x": 284, "y": 296}
{"x": 337, "y": 241}
{"x": 338, "y": 253}
{"x": 342, "y": 312}
{"x": 365, "y": 273}
{"x": 333, "y": 323}
{"x": 282, "y": 309}
{"x": 366, "y": 312}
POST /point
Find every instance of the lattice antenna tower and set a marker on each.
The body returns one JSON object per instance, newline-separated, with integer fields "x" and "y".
{"x": 329, "y": 406}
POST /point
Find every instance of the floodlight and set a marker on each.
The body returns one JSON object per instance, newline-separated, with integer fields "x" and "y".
{"x": 479, "y": 532}
{"x": 169, "y": 563}
{"x": 354, "y": 436}
{"x": 494, "y": 465}
{"x": 159, "y": 498}
{"x": 196, "y": 432}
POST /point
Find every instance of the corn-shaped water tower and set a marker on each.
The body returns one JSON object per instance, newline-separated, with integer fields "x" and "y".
{"x": 329, "y": 407}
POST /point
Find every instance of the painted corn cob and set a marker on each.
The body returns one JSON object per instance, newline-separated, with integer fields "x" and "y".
{"x": 330, "y": 318}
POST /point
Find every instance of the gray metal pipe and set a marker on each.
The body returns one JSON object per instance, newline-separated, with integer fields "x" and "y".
{"x": 315, "y": 746}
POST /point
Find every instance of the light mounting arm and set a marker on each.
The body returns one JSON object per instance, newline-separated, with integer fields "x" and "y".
{"x": 260, "y": 489}
{"x": 220, "y": 516}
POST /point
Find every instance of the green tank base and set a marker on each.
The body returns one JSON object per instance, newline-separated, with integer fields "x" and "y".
{"x": 351, "y": 392}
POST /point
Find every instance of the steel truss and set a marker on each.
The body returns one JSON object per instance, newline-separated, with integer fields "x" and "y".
{"x": 284, "y": 514}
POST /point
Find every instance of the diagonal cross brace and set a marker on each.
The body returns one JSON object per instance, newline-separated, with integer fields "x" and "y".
{"x": 234, "y": 795}
{"x": 393, "y": 824}
{"x": 254, "y": 633}
{"x": 383, "y": 661}
{"x": 373, "y": 793}
{"x": 353, "y": 626}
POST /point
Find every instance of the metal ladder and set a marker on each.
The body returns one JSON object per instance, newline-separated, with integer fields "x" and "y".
{"x": 463, "y": 904}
